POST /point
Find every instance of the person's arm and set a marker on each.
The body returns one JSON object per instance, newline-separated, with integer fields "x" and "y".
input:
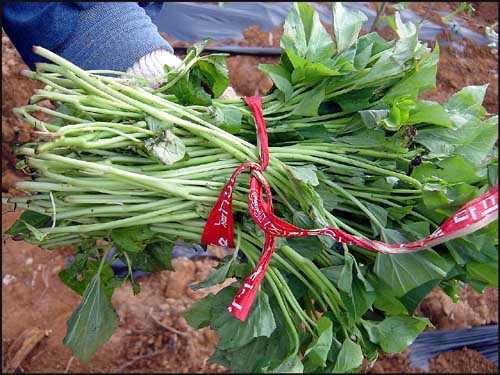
{"x": 116, "y": 36}
{"x": 98, "y": 35}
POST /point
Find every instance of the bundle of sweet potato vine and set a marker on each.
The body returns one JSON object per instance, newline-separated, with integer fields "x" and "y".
{"x": 351, "y": 147}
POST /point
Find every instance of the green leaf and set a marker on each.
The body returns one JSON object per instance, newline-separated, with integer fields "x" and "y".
{"x": 485, "y": 272}
{"x": 350, "y": 358}
{"x": 429, "y": 112}
{"x": 280, "y": 77}
{"x": 404, "y": 272}
{"x": 92, "y": 323}
{"x": 308, "y": 247}
{"x": 189, "y": 89}
{"x": 213, "y": 68}
{"x": 342, "y": 64}
{"x": 363, "y": 53}
{"x": 291, "y": 365}
{"x": 397, "y": 213}
{"x": 197, "y": 48}
{"x": 441, "y": 195}
{"x": 359, "y": 301}
{"x": 167, "y": 148}
{"x": 304, "y": 34}
{"x": 346, "y": 25}
{"x": 216, "y": 277}
{"x": 312, "y": 72}
{"x": 396, "y": 333}
{"x": 295, "y": 60}
{"x": 132, "y": 239}
{"x": 155, "y": 257}
{"x": 479, "y": 247}
{"x": 468, "y": 101}
{"x": 35, "y": 219}
{"x": 385, "y": 298}
{"x": 156, "y": 125}
{"x": 227, "y": 118}
{"x": 39, "y": 235}
{"x": 317, "y": 351}
{"x": 317, "y": 132}
{"x": 79, "y": 274}
{"x": 378, "y": 43}
{"x": 305, "y": 173}
{"x": 380, "y": 214}
{"x": 262, "y": 354}
{"x": 452, "y": 170}
{"x": 404, "y": 30}
{"x": 356, "y": 100}
{"x": 434, "y": 195}
{"x": 248, "y": 358}
{"x": 373, "y": 117}
{"x": 412, "y": 299}
{"x": 361, "y": 273}
{"x": 470, "y": 138}
{"x": 345, "y": 277}
{"x": 234, "y": 333}
{"x": 198, "y": 315}
{"x": 390, "y": 64}
{"x": 477, "y": 285}
{"x": 493, "y": 173}
{"x": 452, "y": 288}
{"x": 309, "y": 105}
{"x": 398, "y": 114}
{"x": 332, "y": 273}
{"x": 416, "y": 230}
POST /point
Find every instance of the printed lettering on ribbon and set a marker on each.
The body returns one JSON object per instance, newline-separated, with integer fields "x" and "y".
{"x": 219, "y": 229}
{"x": 245, "y": 296}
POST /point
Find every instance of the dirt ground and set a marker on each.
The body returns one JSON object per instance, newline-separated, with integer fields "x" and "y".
{"x": 152, "y": 337}
{"x": 465, "y": 361}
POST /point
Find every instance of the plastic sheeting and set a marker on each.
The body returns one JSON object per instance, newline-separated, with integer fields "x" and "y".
{"x": 430, "y": 344}
{"x": 189, "y": 21}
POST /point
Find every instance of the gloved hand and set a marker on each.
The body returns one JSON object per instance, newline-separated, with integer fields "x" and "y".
{"x": 151, "y": 66}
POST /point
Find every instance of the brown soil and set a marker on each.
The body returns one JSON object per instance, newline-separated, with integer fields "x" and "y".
{"x": 454, "y": 64}
{"x": 34, "y": 300}
{"x": 394, "y": 364}
{"x": 473, "y": 309}
{"x": 460, "y": 68}
{"x": 485, "y": 13}
{"x": 16, "y": 91}
{"x": 462, "y": 361}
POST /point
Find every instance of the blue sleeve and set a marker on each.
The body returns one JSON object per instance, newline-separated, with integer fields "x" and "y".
{"x": 92, "y": 35}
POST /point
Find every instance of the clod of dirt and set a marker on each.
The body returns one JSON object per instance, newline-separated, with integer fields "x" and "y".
{"x": 22, "y": 347}
{"x": 465, "y": 361}
{"x": 394, "y": 364}
{"x": 473, "y": 309}
{"x": 16, "y": 91}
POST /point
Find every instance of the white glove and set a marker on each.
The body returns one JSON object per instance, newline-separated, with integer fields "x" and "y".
{"x": 151, "y": 66}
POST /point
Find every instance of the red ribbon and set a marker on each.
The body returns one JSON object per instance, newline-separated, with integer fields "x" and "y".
{"x": 219, "y": 229}
{"x": 255, "y": 104}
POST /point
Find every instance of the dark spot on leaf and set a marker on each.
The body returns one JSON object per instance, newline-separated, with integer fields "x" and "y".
{"x": 339, "y": 247}
{"x": 417, "y": 160}
{"x": 207, "y": 88}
